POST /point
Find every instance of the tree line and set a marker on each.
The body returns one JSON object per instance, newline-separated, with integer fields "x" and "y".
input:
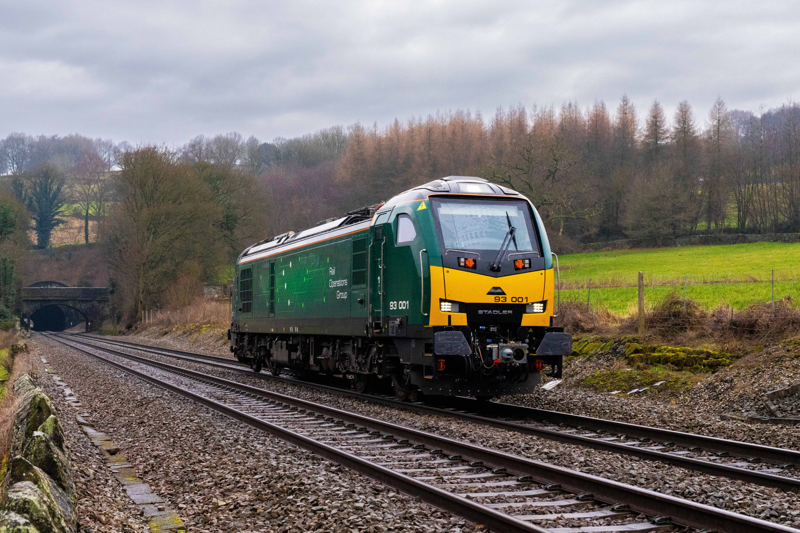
{"x": 596, "y": 175}
{"x": 171, "y": 219}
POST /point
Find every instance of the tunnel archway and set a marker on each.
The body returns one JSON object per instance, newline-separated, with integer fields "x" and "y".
{"x": 57, "y": 317}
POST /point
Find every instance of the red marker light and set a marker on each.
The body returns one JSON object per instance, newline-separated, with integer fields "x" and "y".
{"x": 467, "y": 262}
{"x": 440, "y": 365}
{"x": 520, "y": 264}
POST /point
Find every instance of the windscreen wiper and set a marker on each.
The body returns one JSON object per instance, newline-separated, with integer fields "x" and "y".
{"x": 513, "y": 237}
{"x": 495, "y": 266}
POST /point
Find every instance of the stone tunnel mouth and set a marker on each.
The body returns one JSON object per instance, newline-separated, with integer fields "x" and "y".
{"x": 57, "y": 317}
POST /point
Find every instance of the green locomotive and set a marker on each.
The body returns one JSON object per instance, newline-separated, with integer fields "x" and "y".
{"x": 446, "y": 289}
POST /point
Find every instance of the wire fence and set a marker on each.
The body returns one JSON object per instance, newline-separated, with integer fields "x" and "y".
{"x": 763, "y": 302}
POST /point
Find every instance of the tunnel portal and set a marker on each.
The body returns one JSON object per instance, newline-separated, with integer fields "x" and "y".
{"x": 52, "y": 307}
{"x": 56, "y": 318}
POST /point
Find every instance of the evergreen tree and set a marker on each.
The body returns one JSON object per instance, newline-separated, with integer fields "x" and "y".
{"x": 46, "y": 201}
{"x": 656, "y": 135}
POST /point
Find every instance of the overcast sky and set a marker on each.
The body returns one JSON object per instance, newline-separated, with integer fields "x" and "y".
{"x": 165, "y": 71}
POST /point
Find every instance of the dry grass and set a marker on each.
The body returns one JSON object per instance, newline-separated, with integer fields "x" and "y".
{"x": 689, "y": 324}
{"x": 576, "y": 318}
{"x": 71, "y": 232}
{"x": 201, "y": 312}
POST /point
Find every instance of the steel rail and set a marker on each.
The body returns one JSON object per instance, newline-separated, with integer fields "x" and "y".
{"x": 742, "y": 449}
{"x": 440, "y": 498}
{"x": 681, "y": 512}
{"x": 733, "y": 447}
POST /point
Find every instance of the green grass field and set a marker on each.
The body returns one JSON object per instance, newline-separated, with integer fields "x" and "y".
{"x": 738, "y": 275}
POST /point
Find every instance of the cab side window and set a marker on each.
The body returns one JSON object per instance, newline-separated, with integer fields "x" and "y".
{"x": 406, "y": 232}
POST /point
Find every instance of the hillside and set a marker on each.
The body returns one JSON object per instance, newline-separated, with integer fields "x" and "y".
{"x": 74, "y": 265}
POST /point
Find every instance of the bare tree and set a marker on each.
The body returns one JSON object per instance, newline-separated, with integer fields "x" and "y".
{"x": 253, "y": 161}
{"x": 686, "y": 167}
{"x": 88, "y": 175}
{"x": 226, "y": 150}
{"x": 107, "y": 151}
{"x": 161, "y": 228}
{"x": 17, "y": 152}
{"x": 623, "y": 156}
{"x": 718, "y": 139}
{"x": 196, "y": 151}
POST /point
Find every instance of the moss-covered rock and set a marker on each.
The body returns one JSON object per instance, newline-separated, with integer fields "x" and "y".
{"x": 42, "y": 452}
{"x": 40, "y": 494}
{"x": 34, "y": 408}
{"x": 23, "y": 383}
{"x": 26, "y": 499}
{"x": 632, "y": 348}
{"x": 590, "y": 345}
{"x": 59, "y": 503}
{"x": 680, "y": 358}
{"x": 52, "y": 428}
{"x": 14, "y": 523}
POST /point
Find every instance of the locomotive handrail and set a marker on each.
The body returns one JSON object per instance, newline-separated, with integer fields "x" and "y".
{"x": 382, "y": 277}
{"x": 509, "y": 256}
{"x": 558, "y": 276}
{"x": 462, "y": 251}
{"x": 422, "y": 283}
{"x": 369, "y": 288}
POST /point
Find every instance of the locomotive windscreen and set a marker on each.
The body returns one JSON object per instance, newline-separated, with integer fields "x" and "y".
{"x": 482, "y": 225}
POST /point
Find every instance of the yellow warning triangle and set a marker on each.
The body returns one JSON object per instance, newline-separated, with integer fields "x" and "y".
{"x": 421, "y": 206}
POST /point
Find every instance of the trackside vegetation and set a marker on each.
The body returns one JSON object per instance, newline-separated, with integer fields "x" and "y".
{"x": 175, "y": 226}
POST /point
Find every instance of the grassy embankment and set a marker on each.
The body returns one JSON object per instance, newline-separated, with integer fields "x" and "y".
{"x": 680, "y": 348}
{"x": 738, "y": 275}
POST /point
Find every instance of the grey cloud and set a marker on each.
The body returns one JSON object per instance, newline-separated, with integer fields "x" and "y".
{"x": 165, "y": 71}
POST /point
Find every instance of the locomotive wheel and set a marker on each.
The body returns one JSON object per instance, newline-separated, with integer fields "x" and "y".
{"x": 402, "y": 391}
{"x": 274, "y": 368}
{"x": 362, "y": 383}
{"x": 257, "y": 364}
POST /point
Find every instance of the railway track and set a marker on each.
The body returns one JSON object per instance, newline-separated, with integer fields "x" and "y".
{"x": 501, "y": 491}
{"x": 752, "y": 463}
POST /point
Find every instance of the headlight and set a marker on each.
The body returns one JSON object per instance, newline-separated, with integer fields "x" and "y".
{"x": 535, "y": 307}
{"x": 448, "y": 307}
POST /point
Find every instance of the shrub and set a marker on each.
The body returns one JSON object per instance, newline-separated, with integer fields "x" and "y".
{"x": 759, "y": 320}
{"x": 107, "y": 329}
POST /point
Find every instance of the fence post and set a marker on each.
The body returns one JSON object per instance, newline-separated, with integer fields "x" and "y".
{"x": 641, "y": 303}
{"x": 773, "y": 291}
{"x": 589, "y": 297}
